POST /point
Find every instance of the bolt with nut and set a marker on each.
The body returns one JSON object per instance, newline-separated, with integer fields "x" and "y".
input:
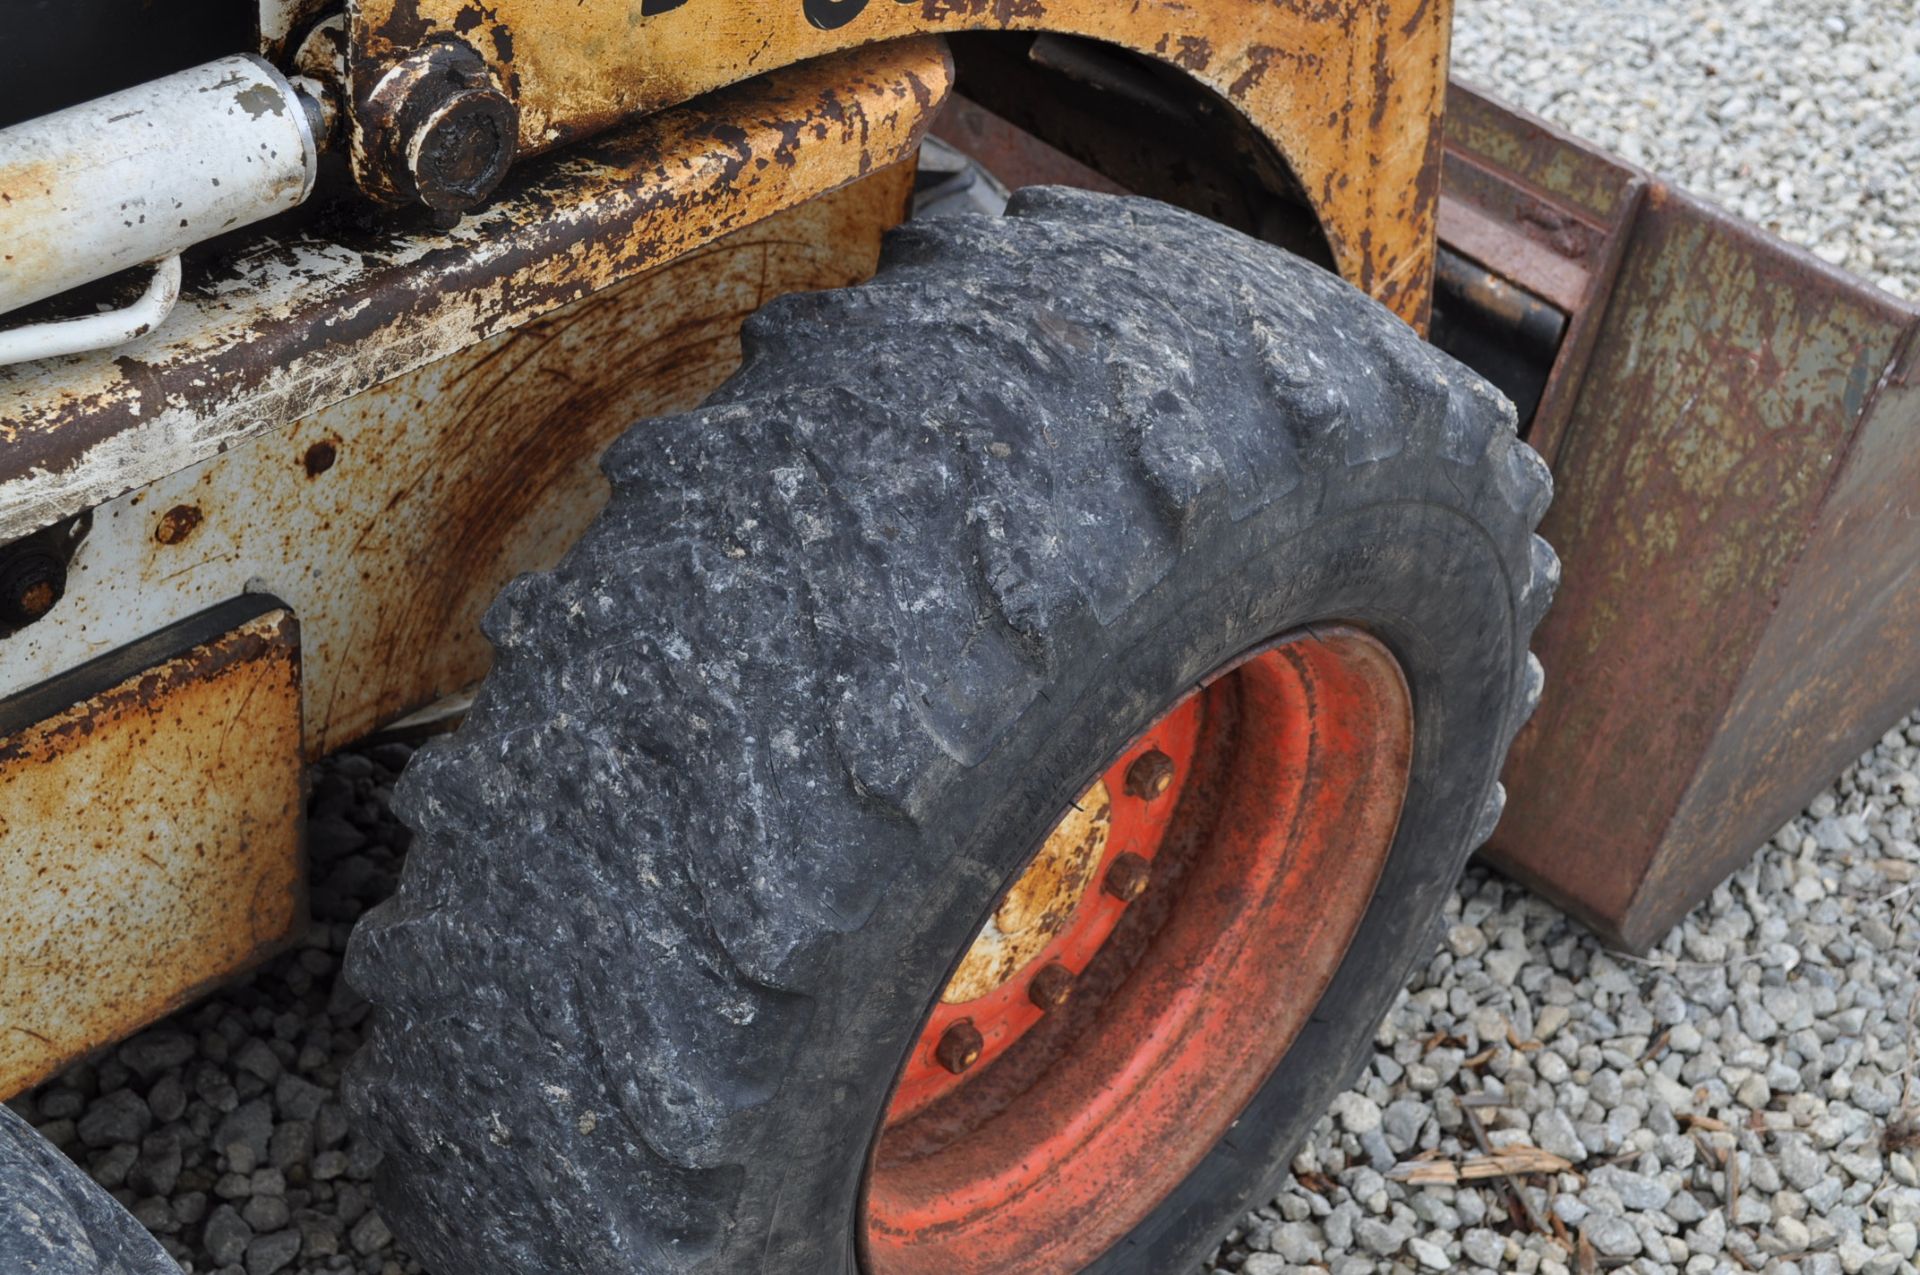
{"x": 30, "y": 583}
{"x": 1127, "y": 877}
{"x": 1051, "y": 987}
{"x": 1150, "y": 775}
{"x": 441, "y": 132}
{"x": 960, "y": 1047}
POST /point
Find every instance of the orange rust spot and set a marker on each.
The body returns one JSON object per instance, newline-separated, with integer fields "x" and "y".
{"x": 38, "y": 599}
{"x": 178, "y": 523}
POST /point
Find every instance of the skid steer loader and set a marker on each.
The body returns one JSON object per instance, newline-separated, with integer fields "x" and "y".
{"x": 954, "y": 787}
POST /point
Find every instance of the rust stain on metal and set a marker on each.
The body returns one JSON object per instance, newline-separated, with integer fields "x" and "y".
{"x": 1376, "y": 68}
{"x": 295, "y": 321}
{"x": 125, "y": 895}
{"x": 1038, "y": 906}
{"x": 320, "y": 457}
{"x": 177, "y": 524}
{"x": 446, "y": 482}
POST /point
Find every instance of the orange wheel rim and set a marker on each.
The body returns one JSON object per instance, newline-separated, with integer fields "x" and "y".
{"x": 1139, "y": 982}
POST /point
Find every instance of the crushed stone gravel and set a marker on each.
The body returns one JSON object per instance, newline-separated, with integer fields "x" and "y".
{"x": 1797, "y": 115}
{"x": 1742, "y": 1100}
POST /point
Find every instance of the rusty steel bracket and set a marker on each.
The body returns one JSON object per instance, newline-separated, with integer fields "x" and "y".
{"x": 126, "y": 896}
{"x": 298, "y": 318}
{"x": 1737, "y": 511}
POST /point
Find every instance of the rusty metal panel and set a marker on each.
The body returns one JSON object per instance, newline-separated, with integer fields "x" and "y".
{"x": 150, "y": 807}
{"x": 1349, "y": 92}
{"x": 278, "y": 324}
{"x": 388, "y": 522}
{"x": 1837, "y": 664}
{"x": 1547, "y": 212}
{"x": 1732, "y": 525}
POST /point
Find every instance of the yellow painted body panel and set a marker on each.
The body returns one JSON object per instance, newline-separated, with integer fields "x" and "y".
{"x": 151, "y": 833}
{"x": 1349, "y": 92}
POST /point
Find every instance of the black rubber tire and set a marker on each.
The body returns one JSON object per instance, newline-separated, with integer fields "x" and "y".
{"x": 757, "y": 757}
{"x": 55, "y": 1220}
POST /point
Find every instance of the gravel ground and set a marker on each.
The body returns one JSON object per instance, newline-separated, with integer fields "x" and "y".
{"x": 1738, "y": 1102}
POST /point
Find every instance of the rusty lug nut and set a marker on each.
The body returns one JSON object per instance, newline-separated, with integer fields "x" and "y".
{"x": 959, "y": 1047}
{"x": 1150, "y": 775}
{"x": 1127, "y": 877}
{"x": 1051, "y": 987}
{"x": 30, "y": 583}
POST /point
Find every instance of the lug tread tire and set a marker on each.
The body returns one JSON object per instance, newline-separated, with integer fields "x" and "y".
{"x": 722, "y": 737}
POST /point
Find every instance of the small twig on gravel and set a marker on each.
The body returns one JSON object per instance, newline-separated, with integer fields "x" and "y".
{"x": 1485, "y": 1100}
{"x": 1516, "y": 1190}
{"x": 1505, "y": 1163}
{"x": 1906, "y": 1071}
{"x": 1901, "y": 1132}
{"x": 1673, "y": 964}
{"x": 1891, "y": 895}
{"x": 1732, "y": 1184}
{"x": 1585, "y": 1260}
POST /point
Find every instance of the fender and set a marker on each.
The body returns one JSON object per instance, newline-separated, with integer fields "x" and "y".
{"x": 1349, "y": 92}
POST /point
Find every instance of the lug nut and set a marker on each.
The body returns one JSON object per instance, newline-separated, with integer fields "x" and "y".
{"x": 959, "y": 1047}
{"x": 30, "y": 583}
{"x": 1051, "y": 987}
{"x": 1127, "y": 877}
{"x": 1150, "y": 775}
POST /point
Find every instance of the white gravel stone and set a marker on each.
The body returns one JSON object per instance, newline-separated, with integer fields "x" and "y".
{"x": 1554, "y": 1132}
{"x": 1357, "y": 1113}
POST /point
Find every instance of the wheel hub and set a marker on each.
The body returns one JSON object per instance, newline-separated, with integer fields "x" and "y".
{"x": 1143, "y": 975}
{"x": 1051, "y": 923}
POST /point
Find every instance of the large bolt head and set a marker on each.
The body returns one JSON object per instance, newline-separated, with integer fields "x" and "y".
{"x": 440, "y": 130}
{"x": 462, "y": 150}
{"x": 1150, "y": 775}
{"x": 1127, "y": 877}
{"x": 1051, "y": 988}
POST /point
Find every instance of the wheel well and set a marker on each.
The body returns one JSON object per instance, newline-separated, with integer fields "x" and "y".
{"x": 1147, "y": 125}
